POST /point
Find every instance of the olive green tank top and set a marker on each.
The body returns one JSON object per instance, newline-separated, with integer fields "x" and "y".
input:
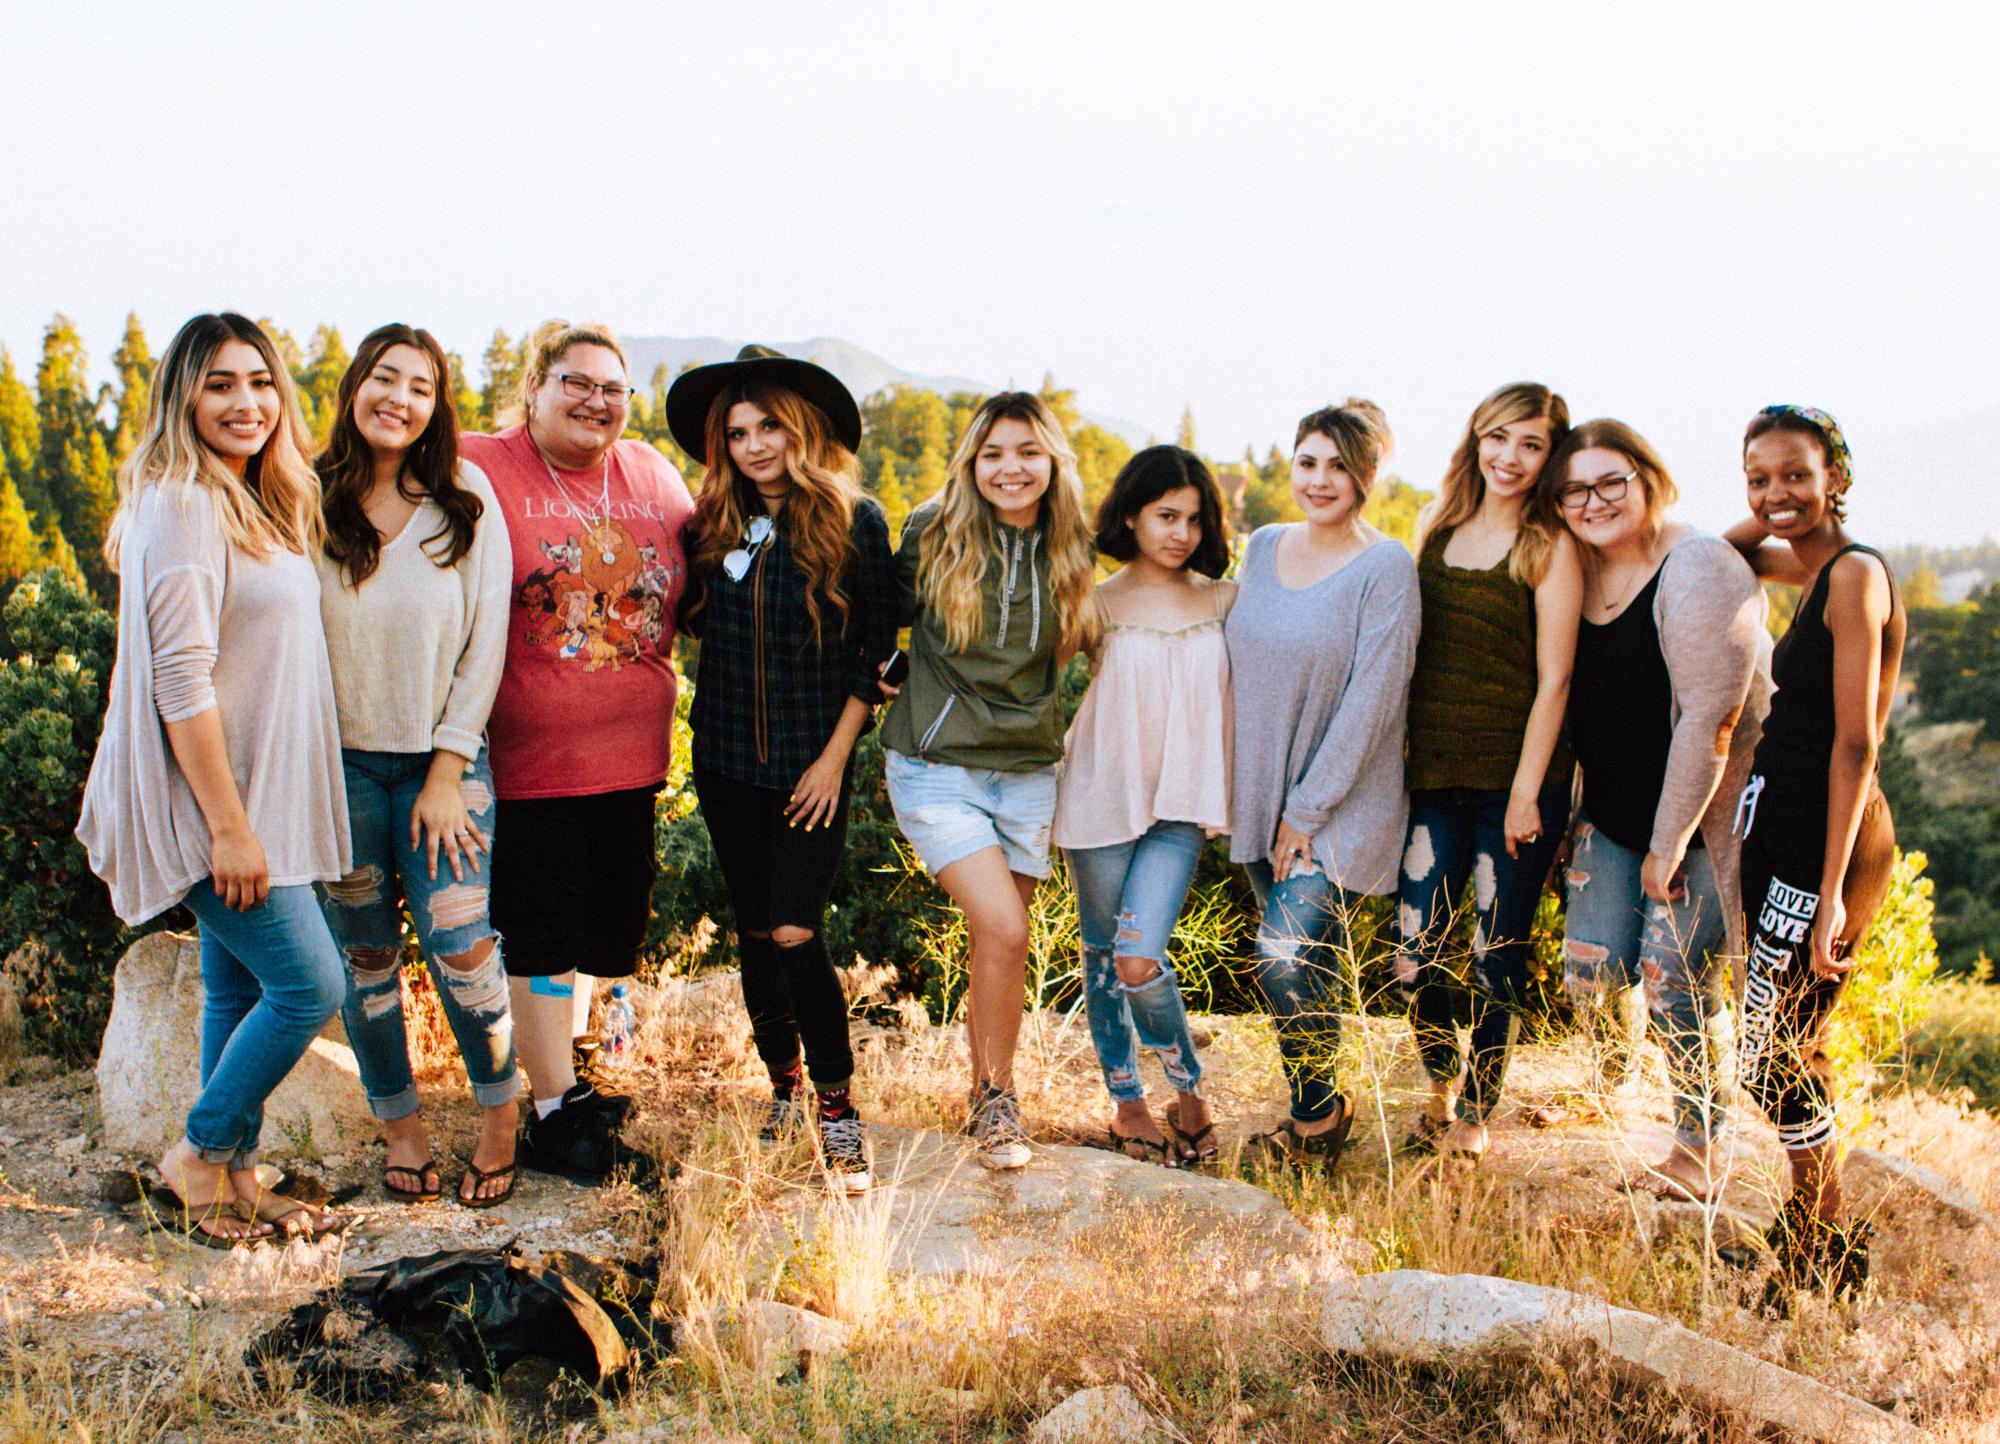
{"x": 1475, "y": 679}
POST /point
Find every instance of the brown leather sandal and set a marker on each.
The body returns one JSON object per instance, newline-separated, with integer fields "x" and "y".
{"x": 1284, "y": 1146}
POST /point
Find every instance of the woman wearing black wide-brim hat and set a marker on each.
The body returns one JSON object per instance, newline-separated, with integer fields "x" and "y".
{"x": 791, "y": 588}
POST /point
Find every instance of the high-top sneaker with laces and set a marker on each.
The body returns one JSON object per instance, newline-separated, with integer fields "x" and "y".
{"x": 845, "y": 1153}
{"x": 997, "y": 1132}
{"x": 579, "y": 1141}
{"x": 783, "y": 1117}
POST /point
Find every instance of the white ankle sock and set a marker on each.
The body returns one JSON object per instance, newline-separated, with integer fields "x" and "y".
{"x": 545, "y": 1106}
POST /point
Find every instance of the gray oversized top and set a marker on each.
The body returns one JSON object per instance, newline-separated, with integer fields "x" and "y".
{"x": 202, "y": 625}
{"x": 1322, "y": 687}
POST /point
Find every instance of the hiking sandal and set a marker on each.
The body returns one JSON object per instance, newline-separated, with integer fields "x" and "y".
{"x": 190, "y": 1223}
{"x": 277, "y": 1209}
{"x": 1426, "y": 1137}
{"x": 1287, "y": 1147}
{"x": 1140, "y": 1150}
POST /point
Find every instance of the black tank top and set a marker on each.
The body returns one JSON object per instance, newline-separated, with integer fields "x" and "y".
{"x": 1796, "y": 748}
{"x": 1621, "y": 720}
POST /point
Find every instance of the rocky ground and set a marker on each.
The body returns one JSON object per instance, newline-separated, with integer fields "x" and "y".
{"x": 133, "y": 1315}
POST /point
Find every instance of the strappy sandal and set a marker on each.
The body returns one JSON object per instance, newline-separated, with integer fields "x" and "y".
{"x": 276, "y": 1208}
{"x": 480, "y": 1178}
{"x": 188, "y": 1221}
{"x": 1196, "y": 1148}
{"x": 1426, "y": 1137}
{"x": 1287, "y": 1147}
{"x": 424, "y": 1192}
{"x": 1139, "y": 1150}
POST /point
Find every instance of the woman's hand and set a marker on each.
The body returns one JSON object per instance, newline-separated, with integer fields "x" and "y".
{"x": 236, "y": 865}
{"x": 1293, "y": 849}
{"x": 1661, "y": 879}
{"x": 1827, "y": 928}
{"x": 889, "y": 693}
{"x": 439, "y": 822}
{"x": 816, "y": 795}
{"x": 1523, "y": 823}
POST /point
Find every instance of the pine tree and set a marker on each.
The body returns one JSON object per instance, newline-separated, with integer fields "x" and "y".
{"x": 1187, "y": 439}
{"x": 20, "y": 551}
{"x": 57, "y": 552}
{"x": 134, "y": 363}
{"x": 75, "y": 463}
{"x": 1062, "y": 402}
{"x": 465, "y": 398}
{"x": 887, "y": 488}
{"x": 319, "y": 381}
{"x": 21, "y": 440}
{"x": 502, "y": 366}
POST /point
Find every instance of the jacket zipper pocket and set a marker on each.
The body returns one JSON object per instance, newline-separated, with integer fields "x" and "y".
{"x": 924, "y": 742}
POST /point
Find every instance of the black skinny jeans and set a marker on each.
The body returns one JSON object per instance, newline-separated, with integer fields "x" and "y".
{"x": 778, "y": 877}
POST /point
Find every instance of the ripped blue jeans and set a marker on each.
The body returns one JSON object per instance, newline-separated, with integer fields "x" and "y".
{"x": 1128, "y": 898}
{"x": 1616, "y": 939}
{"x": 450, "y": 918}
{"x": 1302, "y": 949}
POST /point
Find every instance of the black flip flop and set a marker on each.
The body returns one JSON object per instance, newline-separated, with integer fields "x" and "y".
{"x": 1147, "y": 1150}
{"x": 1198, "y": 1147}
{"x": 509, "y": 1171}
{"x": 423, "y": 1193}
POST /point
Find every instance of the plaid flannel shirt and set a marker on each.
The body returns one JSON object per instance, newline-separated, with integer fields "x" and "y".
{"x": 767, "y": 695}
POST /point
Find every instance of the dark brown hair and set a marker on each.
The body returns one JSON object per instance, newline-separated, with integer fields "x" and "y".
{"x": 1837, "y": 476}
{"x": 1143, "y": 480}
{"x": 430, "y": 468}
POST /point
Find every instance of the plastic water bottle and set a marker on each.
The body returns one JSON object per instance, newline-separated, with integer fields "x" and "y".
{"x": 615, "y": 1039}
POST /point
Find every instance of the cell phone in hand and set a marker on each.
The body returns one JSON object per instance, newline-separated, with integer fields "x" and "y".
{"x": 897, "y": 669}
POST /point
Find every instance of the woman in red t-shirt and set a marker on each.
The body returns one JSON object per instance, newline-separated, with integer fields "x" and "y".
{"x": 581, "y": 735}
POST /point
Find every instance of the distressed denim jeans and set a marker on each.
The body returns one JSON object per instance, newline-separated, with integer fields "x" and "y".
{"x": 270, "y": 981}
{"x": 1458, "y": 838}
{"x": 1128, "y": 899}
{"x": 450, "y": 917}
{"x": 1617, "y": 940}
{"x": 1302, "y": 949}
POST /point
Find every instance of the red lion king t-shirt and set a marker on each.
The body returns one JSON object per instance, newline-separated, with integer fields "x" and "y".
{"x": 586, "y": 703}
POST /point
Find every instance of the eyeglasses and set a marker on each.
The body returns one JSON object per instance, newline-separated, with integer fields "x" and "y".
{"x": 737, "y": 564}
{"x": 582, "y": 388}
{"x": 1577, "y": 494}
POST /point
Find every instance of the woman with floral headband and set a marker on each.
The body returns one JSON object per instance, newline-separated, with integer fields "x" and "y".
{"x": 1818, "y": 841}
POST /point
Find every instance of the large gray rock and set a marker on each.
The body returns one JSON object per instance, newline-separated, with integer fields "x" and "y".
{"x": 1890, "y": 1174}
{"x": 149, "y": 1068}
{"x": 1416, "y": 1315}
{"x": 1111, "y": 1414}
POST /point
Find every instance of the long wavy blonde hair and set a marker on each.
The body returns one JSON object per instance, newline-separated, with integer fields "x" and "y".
{"x": 275, "y": 503}
{"x": 1463, "y": 488}
{"x": 961, "y": 542}
{"x": 818, "y": 515}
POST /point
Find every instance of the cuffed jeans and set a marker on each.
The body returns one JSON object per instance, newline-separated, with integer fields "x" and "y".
{"x": 1615, "y": 938}
{"x": 271, "y": 979}
{"x": 1302, "y": 935}
{"x": 450, "y": 918}
{"x": 1128, "y": 899}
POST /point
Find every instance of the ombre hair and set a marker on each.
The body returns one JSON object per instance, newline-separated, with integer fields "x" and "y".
{"x": 274, "y": 504}
{"x": 1360, "y": 435}
{"x": 818, "y": 515}
{"x": 347, "y": 465}
{"x": 1608, "y": 435}
{"x": 959, "y": 545}
{"x": 548, "y": 344}
{"x": 1464, "y": 488}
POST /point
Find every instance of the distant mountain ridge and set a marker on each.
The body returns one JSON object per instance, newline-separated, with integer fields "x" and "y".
{"x": 860, "y": 370}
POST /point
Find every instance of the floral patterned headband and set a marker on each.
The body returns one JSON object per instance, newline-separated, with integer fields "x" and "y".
{"x": 1829, "y": 431}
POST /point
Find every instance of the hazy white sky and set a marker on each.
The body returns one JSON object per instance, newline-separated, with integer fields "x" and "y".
{"x": 1673, "y": 214}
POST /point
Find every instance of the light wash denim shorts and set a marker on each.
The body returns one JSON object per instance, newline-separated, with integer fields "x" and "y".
{"x": 948, "y": 813}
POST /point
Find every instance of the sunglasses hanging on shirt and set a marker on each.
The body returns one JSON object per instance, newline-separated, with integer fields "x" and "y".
{"x": 736, "y": 565}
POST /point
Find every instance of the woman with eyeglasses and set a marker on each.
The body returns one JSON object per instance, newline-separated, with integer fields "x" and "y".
{"x": 791, "y": 588}
{"x": 1669, "y": 689}
{"x": 581, "y": 733}
{"x": 1488, "y": 770}
{"x": 1818, "y": 841}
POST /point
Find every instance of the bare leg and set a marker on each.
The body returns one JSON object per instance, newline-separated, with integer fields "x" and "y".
{"x": 542, "y": 1036}
{"x": 995, "y": 903}
{"x": 200, "y": 1185}
{"x": 497, "y": 1125}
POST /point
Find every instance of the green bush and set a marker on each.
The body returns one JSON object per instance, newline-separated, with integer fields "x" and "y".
{"x": 55, "y": 670}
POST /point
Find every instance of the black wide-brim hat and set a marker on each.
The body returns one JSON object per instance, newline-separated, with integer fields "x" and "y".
{"x": 694, "y": 392}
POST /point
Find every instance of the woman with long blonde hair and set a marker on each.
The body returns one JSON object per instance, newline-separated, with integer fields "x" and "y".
{"x": 995, "y": 576}
{"x": 1488, "y": 771}
{"x": 791, "y": 589}
{"x": 217, "y": 781}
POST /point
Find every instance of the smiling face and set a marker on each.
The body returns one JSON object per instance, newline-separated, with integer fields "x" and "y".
{"x": 1791, "y": 489}
{"x": 759, "y": 447}
{"x": 395, "y": 401}
{"x": 1321, "y": 485}
{"x": 1012, "y": 469}
{"x": 236, "y": 410}
{"x": 1511, "y": 456}
{"x": 575, "y": 432}
{"x": 1597, "y": 522}
{"x": 1167, "y": 529}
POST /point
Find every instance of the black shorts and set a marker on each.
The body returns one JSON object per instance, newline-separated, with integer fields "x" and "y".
{"x": 573, "y": 886}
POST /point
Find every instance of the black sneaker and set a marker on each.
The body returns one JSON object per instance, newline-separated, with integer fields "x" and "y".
{"x": 783, "y": 1118}
{"x": 845, "y": 1154}
{"x": 578, "y": 1141}
{"x": 587, "y": 1062}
